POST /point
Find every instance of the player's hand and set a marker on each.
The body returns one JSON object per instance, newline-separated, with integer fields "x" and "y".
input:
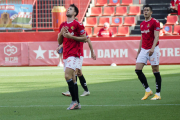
{"x": 57, "y": 50}
{"x": 67, "y": 34}
{"x": 151, "y": 51}
{"x": 137, "y": 56}
{"x": 93, "y": 56}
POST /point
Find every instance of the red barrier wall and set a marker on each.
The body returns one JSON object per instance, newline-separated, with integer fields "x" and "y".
{"x": 121, "y": 52}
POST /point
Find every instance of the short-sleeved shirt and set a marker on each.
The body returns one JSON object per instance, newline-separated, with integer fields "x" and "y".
{"x": 70, "y": 46}
{"x": 104, "y": 33}
{"x": 81, "y": 46}
{"x": 147, "y": 31}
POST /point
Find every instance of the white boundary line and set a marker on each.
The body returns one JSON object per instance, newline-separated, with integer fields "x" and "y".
{"x": 22, "y": 106}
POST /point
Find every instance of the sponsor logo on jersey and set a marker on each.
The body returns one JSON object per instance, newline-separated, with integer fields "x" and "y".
{"x": 72, "y": 27}
{"x": 145, "y": 31}
{"x": 141, "y": 25}
{"x": 148, "y": 25}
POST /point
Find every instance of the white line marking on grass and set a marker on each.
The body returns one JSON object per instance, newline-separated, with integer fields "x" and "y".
{"x": 60, "y": 68}
{"x": 93, "y": 105}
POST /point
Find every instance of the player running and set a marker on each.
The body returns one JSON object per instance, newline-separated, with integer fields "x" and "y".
{"x": 71, "y": 34}
{"x": 149, "y": 50}
{"x": 79, "y": 66}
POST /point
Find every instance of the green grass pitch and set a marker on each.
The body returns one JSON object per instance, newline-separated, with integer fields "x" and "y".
{"x": 34, "y": 93}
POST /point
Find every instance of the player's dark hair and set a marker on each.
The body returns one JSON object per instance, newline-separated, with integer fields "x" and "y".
{"x": 147, "y": 6}
{"x": 75, "y": 8}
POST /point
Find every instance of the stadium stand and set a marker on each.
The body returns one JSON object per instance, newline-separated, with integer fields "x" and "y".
{"x": 176, "y": 30}
{"x": 102, "y": 20}
{"x": 134, "y": 10}
{"x": 114, "y": 30}
{"x": 96, "y": 11}
{"x": 89, "y": 31}
{"x": 96, "y": 30}
{"x": 91, "y": 21}
{"x": 168, "y": 28}
{"x": 123, "y": 31}
{"x": 108, "y": 11}
{"x": 127, "y": 2}
{"x": 129, "y": 21}
{"x": 101, "y": 3}
{"x": 116, "y": 21}
{"x": 114, "y": 2}
{"x": 121, "y": 10}
{"x": 171, "y": 20}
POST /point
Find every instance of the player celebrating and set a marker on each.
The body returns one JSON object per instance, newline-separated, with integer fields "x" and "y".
{"x": 149, "y": 50}
{"x": 79, "y": 65}
{"x": 71, "y": 33}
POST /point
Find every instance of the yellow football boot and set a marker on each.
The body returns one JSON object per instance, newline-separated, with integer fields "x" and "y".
{"x": 147, "y": 94}
{"x": 156, "y": 97}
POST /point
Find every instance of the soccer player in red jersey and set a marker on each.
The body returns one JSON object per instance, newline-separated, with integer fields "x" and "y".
{"x": 105, "y": 31}
{"x": 149, "y": 50}
{"x": 71, "y": 34}
{"x": 79, "y": 65}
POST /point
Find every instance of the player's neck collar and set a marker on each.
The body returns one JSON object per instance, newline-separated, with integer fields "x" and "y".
{"x": 70, "y": 22}
{"x": 148, "y": 20}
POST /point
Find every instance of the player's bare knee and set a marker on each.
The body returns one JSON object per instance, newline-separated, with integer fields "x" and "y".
{"x": 68, "y": 76}
{"x": 79, "y": 73}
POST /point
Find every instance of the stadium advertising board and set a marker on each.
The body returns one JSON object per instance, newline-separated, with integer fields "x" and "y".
{"x": 15, "y": 16}
{"x": 121, "y": 52}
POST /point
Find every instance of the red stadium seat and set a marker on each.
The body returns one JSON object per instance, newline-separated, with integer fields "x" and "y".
{"x": 96, "y": 11}
{"x": 134, "y": 10}
{"x": 129, "y": 21}
{"x": 102, "y": 20}
{"x": 176, "y": 30}
{"x": 114, "y": 30}
{"x": 127, "y": 2}
{"x": 109, "y": 11}
{"x": 171, "y": 20}
{"x": 168, "y": 28}
{"x": 120, "y": 11}
{"x": 101, "y": 3}
{"x": 91, "y": 21}
{"x": 96, "y": 30}
{"x": 116, "y": 21}
{"x": 123, "y": 31}
{"x": 89, "y": 31}
{"x": 114, "y": 2}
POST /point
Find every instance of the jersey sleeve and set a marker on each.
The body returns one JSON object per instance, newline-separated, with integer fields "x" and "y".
{"x": 156, "y": 25}
{"x": 60, "y": 27}
{"x": 80, "y": 28}
{"x": 99, "y": 33}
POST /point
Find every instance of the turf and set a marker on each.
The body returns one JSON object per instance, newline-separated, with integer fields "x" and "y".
{"x": 34, "y": 93}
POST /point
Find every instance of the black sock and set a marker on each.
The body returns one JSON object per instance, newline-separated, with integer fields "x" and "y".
{"x": 71, "y": 89}
{"x": 158, "y": 81}
{"x": 142, "y": 78}
{"x": 76, "y": 92}
{"x": 83, "y": 82}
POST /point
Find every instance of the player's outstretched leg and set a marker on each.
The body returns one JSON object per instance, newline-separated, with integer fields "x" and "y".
{"x": 84, "y": 85}
{"x": 158, "y": 83}
{"x": 69, "y": 78}
{"x": 143, "y": 80}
